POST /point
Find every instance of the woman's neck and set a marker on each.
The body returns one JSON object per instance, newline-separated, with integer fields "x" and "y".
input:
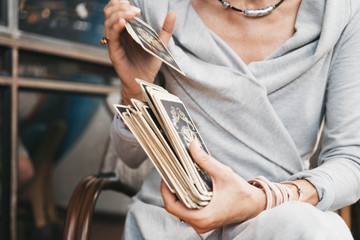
{"x": 252, "y": 38}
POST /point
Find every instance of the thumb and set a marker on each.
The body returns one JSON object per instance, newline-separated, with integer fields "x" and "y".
{"x": 205, "y": 161}
{"x": 168, "y": 28}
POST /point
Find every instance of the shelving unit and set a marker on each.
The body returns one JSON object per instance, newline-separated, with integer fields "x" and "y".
{"x": 13, "y": 44}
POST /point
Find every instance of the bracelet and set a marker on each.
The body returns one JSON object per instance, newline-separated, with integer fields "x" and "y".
{"x": 300, "y": 191}
{"x": 279, "y": 199}
{"x": 286, "y": 191}
{"x": 259, "y": 183}
{"x": 282, "y": 193}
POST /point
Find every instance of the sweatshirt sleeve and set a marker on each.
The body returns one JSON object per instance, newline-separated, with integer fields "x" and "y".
{"x": 337, "y": 179}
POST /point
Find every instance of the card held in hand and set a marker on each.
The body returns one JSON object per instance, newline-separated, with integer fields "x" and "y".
{"x": 150, "y": 41}
{"x": 164, "y": 129}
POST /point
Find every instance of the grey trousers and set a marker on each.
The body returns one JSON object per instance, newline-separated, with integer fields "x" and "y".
{"x": 290, "y": 221}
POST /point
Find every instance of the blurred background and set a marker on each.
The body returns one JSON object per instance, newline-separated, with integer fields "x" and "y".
{"x": 57, "y": 87}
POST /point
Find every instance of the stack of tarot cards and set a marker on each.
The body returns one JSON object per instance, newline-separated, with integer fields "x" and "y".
{"x": 164, "y": 129}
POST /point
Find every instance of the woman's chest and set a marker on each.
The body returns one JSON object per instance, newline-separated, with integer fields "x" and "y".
{"x": 254, "y": 44}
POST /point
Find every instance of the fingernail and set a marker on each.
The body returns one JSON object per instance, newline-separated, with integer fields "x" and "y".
{"x": 196, "y": 145}
{"x": 122, "y": 21}
{"x": 129, "y": 13}
{"x": 135, "y": 9}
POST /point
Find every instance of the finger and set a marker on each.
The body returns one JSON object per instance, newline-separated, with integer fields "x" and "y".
{"x": 166, "y": 193}
{"x": 119, "y": 7}
{"x": 168, "y": 27}
{"x": 114, "y": 26}
{"x": 126, "y": 11}
{"x": 172, "y": 205}
{"x": 115, "y": 17}
{"x": 116, "y": 2}
{"x": 213, "y": 167}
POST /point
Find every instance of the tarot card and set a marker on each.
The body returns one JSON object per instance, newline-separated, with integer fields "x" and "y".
{"x": 145, "y": 87}
{"x": 150, "y": 117}
{"x": 158, "y": 155}
{"x": 180, "y": 185}
{"x": 149, "y": 40}
{"x": 125, "y": 113}
{"x": 143, "y": 83}
{"x": 170, "y": 156}
{"x": 181, "y": 130}
{"x": 152, "y": 90}
{"x": 126, "y": 117}
{"x": 164, "y": 129}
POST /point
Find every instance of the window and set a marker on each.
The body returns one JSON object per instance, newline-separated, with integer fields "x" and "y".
{"x": 5, "y": 61}
{"x": 80, "y": 21}
{"x": 3, "y": 12}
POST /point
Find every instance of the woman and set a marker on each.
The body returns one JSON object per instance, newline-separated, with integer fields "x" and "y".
{"x": 258, "y": 89}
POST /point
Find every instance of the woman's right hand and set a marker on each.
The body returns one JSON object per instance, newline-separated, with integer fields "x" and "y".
{"x": 128, "y": 57}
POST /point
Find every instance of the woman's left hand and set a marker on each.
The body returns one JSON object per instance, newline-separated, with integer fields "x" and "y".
{"x": 233, "y": 200}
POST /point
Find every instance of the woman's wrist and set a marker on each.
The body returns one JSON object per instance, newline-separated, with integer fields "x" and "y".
{"x": 271, "y": 194}
{"x": 308, "y": 191}
{"x": 128, "y": 93}
{"x": 259, "y": 202}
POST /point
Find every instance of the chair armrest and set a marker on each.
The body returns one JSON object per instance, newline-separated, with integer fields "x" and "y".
{"x": 82, "y": 203}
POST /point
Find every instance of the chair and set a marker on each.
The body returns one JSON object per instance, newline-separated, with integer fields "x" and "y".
{"x": 127, "y": 181}
{"x": 82, "y": 202}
